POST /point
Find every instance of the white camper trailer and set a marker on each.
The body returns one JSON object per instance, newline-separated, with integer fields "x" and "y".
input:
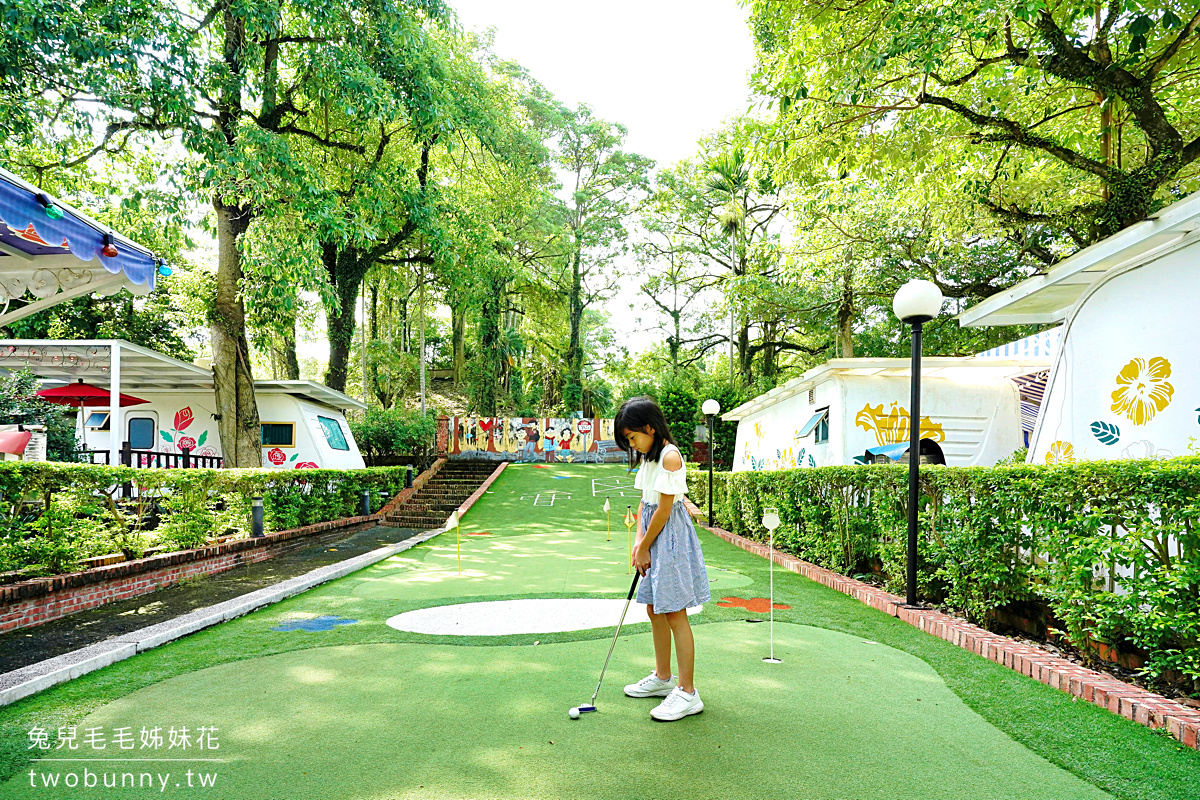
{"x": 1125, "y": 382}
{"x": 303, "y": 423}
{"x": 847, "y": 409}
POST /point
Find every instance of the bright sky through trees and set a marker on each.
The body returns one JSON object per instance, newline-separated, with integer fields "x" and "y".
{"x": 668, "y": 70}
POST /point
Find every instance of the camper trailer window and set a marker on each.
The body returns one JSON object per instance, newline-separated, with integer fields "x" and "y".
{"x": 97, "y": 420}
{"x": 333, "y": 433}
{"x": 141, "y": 433}
{"x": 279, "y": 434}
{"x": 818, "y": 422}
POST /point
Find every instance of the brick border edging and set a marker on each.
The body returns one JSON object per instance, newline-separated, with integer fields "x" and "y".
{"x": 1133, "y": 703}
{"x": 33, "y": 602}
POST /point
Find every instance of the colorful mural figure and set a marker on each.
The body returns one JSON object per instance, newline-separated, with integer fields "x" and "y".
{"x": 1142, "y": 389}
{"x": 525, "y": 439}
{"x": 892, "y": 426}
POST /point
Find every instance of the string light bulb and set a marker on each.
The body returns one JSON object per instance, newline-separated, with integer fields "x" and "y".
{"x": 52, "y": 211}
{"x": 163, "y": 269}
{"x": 109, "y": 249}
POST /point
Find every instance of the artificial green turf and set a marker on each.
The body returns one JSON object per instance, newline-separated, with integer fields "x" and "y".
{"x": 840, "y": 718}
{"x": 548, "y": 551}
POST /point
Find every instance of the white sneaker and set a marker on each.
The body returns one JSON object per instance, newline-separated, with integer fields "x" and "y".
{"x": 678, "y": 705}
{"x": 650, "y": 686}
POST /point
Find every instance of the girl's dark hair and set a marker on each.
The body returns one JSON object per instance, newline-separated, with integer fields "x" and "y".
{"x": 636, "y": 413}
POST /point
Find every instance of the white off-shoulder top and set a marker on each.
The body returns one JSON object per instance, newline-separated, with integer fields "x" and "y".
{"x": 653, "y": 479}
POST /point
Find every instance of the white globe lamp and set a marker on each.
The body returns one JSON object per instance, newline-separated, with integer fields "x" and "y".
{"x": 917, "y": 301}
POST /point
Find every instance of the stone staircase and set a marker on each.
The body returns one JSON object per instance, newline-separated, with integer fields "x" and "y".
{"x": 448, "y": 489}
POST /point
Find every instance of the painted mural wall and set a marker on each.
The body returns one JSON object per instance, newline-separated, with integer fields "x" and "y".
{"x": 1127, "y": 380}
{"x": 974, "y": 423}
{"x": 529, "y": 439}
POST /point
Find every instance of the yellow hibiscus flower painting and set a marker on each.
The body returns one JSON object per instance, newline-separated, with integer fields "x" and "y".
{"x": 1061, "y": 453}
{"x": 1142, "y": 389}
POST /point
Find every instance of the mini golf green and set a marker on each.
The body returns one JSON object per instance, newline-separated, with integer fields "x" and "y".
{"x": 317, "y": 697}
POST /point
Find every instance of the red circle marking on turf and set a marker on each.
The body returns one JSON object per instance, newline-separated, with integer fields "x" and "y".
{"x": 759, "y": 605}
{"x": 478, "y": 534}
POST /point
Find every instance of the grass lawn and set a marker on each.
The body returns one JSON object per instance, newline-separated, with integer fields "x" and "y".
{"x": 864, "y": 706}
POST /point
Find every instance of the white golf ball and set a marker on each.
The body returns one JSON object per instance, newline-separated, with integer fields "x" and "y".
{"x": 573, "y": 713}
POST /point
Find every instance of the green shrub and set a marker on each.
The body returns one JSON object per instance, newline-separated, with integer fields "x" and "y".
{"x": 389, "y": 432}
{"x": 54, "y": 515}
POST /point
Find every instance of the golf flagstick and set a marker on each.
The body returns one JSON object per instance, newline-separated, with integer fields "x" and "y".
{"x": 607, "y": 520}
{"x": 591, "y": 705}
{"x": 771, "y": 522}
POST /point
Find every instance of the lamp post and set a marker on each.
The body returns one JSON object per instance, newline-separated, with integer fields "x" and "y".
{"x": 915, "y": 303}
{"x": 770, "y": 521}
{"x": 710, "y": 408}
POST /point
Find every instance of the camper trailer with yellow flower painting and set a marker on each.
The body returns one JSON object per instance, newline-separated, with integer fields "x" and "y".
{"x": 847, "y": 410}
{"x": 1126, "y": 380}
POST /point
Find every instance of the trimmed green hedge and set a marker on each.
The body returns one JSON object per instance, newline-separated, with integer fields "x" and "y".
{"x": 1112, "y": 547}
{"x": 55, "y": 515}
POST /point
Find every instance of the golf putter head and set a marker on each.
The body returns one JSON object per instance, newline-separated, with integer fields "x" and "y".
{"x": 586, "y": 707}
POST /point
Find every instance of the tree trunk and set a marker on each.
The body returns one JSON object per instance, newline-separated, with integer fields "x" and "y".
{"x": 489, "y": 347}
{"x": 291, "y": 361}
{"x": 745, "y": 359}
{"x": 674, "y": 340}
{"x": 573, "y": 392}
{"x": 458, "y": 323}
{"x": 346, "y": 276}
{"x": 770, "y": 331}
{"x": 237, "y": 422}
{"x": 845, "y": 314}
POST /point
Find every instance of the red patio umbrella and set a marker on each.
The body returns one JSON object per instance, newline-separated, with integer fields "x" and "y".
{"x": 81, "y": 394}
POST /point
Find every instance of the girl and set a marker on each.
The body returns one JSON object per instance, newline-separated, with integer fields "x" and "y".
{"x": 667, "y": 555}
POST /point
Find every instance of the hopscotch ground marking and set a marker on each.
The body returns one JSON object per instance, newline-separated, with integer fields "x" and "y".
{"x": 547, "y": 498}
{"x": 614, "y": 486}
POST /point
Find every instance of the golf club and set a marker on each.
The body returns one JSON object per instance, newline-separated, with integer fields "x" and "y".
{"x": 591, "y": 705}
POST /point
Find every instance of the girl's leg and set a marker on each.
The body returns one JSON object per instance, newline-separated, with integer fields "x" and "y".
{"x": 685, "y": 647}
{"x": 660, "y": 630}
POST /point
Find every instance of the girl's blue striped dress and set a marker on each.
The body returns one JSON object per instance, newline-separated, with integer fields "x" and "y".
{"x": 677, "y": 578}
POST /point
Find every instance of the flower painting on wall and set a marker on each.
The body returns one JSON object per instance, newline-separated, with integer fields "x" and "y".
{"x": 1142, "y": 389}
{"x": 891, "y": 426}
{"x": 177, "y": 437}
{"x": 1061, "y": 453}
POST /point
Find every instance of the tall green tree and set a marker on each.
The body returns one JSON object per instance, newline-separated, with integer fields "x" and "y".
{"x": 1081, "y": 116}
{"x": 604, "y": 182}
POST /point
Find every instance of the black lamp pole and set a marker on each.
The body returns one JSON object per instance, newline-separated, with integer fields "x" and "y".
{"x": 710, "y": 470}
{"x": 914, "y": 462}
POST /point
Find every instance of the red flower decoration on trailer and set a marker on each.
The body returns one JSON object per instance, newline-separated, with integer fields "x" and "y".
{"x": 183, "y": 418}
{"x": 276, "y": 456}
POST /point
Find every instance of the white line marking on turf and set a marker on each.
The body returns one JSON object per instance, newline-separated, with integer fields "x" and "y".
{"x": 614, "y": 486}
{"x": 547, "y": 498}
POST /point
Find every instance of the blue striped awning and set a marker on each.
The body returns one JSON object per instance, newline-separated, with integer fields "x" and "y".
{"x": 1040, "y": 345}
